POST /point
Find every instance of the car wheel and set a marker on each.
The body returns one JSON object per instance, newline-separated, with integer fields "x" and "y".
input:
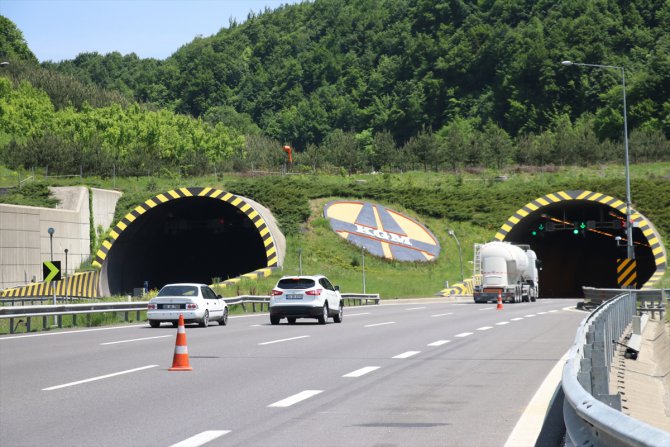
{"x": 340, "y": 314}
{"x": 274, "y": 320}
{"x": 205, "y": 319}
{"x": 154, "y": 323}
{"x": 224, "y": 318}
{"x": 324, "y": 315}
{"x": 291, "y": 320}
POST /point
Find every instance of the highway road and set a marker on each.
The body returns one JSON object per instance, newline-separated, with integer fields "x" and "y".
{"x": 404, "y": 374}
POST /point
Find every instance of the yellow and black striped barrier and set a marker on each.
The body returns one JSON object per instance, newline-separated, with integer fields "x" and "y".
{"x": 626, "y": 273}
{"x": 79, "y": 285}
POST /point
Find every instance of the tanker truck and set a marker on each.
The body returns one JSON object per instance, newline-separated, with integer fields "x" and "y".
{"x": 506, "y": 269}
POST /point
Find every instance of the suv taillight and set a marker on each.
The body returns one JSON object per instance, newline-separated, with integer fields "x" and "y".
{"x": 276, "y": 292}
{"x": 151, "y": 307}
{"x": 314, "y": 292}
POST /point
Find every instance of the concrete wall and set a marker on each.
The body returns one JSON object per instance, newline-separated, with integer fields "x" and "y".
{"x": 24, "y": 239}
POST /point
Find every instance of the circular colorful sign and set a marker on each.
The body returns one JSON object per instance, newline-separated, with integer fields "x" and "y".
{"x": 382, "y": 231}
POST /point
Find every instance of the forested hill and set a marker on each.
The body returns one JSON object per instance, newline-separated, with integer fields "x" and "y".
{"x": 303, "y": 70}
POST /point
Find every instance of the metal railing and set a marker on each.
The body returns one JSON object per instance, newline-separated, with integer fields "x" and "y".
{"x": 592, "y": 415}
{"x": 45, "y": 311}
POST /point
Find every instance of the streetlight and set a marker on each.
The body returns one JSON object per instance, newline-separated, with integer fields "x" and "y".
{"x": 460, "y": 254}
{"x": 66, "y": 291}
{"x": 363, "y": 267}
{"x": 51, "y": 232}
{"x": 629, "y": 222}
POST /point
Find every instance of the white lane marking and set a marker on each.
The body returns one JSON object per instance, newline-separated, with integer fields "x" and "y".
{"x": 355, "y": 315}
{"x": 73, "y": 332}
{"x": 487, "y": 308}
{"x": 484, "y": 328}
{"x": 362, "y": 371}
{"x": 541, "y": 313}
{"x": 552, "y": 311}
{"x": 283, "y": 340}
{"x": 442, "y": 315}
{"x": 92, "y": 379}
{"x": 292, "y": 400}
{"x": 572, "y": 309}
{"x": 463, "y": 334}
{"x": 407, "y": 354}
{"x": 379, "y": 324}
{"x": 439, "y": 343}
{"x": 528, "y": 427}
{"x": 135, "y": 339}
{"x": 256, "y": 325}
{"x": 502, "y": 323}
{"x": 517, "y": 318}
{"x": 530, "y": 316}
{"x": 416, "y": 308}
{"x": 201, "y": 438}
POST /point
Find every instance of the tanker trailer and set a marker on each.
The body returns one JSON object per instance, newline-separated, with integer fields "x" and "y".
{"x": 508, "y": 270}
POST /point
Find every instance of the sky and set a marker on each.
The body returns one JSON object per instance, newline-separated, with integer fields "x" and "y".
{"x": 61, "y": 29}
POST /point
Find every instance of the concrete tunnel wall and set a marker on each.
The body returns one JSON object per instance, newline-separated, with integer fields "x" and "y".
{"x": 189, "y": 235}
{"x": 592, "y": 257}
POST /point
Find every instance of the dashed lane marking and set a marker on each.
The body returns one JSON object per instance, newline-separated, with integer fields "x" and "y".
{"x": 379, "y": 324}
{"x": 517, "y": 319}
{"x": 442, "y": 315}
{"x": 487, "y": 308}
{"x": 407, "y": 354}
{"x": 283, "y": 340}
{"x": 356, "y": 315}
{"x": 362, "y": 371}
{"x": 463, "y": 334}
{"x": 93, "y": 379}
{"x": 484, "y": 328}
{"x": 292, "y": 400}
{"x": 201, "y": 438}
{"x": 415, "y": 308}
{"x": 439, "y": 343}
{"x": 502, "y": 323}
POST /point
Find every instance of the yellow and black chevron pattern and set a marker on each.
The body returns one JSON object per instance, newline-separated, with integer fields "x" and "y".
{"x": 175, "y": 194}
{"x": 79, "y": 285}
{"x": 260, "y": 273}
{"x": 626, "y": 273}
{"x": 638, "y": 219}
{"x": 462, "y": 288}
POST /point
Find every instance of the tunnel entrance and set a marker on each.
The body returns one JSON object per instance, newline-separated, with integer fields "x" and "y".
{"x": 580, "y": 237}
{"x": 197, "y": 238}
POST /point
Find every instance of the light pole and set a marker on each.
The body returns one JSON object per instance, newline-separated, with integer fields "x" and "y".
{"x": 51, "y": 232}
{"x": 363, "y": 267}
{"x": 460, "y": 254}
{"x": 66, "y": 291}
{"x": 630, "y": 252}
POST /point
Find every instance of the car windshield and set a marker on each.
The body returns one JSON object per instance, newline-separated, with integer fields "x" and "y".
{"x": 295, "y": 283}
{"x": 178, "y": 291}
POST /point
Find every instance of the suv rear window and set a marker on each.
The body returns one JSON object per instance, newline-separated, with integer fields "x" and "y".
{"x": 295, "y": 283}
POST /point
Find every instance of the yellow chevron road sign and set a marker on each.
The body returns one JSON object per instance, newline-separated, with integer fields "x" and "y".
{"x": 51, "y": 271}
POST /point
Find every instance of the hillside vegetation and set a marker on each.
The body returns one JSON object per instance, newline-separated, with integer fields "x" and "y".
{"x": 390, "y": 85}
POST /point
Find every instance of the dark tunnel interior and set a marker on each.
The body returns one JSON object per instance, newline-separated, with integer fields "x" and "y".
{"x": 576, "y": 243}
{"x": 193, "y": 239}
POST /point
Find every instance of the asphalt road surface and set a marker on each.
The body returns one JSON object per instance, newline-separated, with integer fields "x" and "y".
{"x": 411, "y": 374}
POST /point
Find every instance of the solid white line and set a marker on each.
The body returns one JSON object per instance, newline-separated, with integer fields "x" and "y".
{"x": 415, "y": 308}
{"x": 487, "y": 308}
{"x": 355, "y": 315}
{"x": 502, "y": 323}
{"x": 517, "y": 318}
{"x": 407, "y": 354}
{"x": 379, "y": 324}
{"x": 201, "y": 438}
{"x": 296, "y": 398}
{"x": 530, "y": 423}
{"x": 135, "y": 339}
{"x": 79, "y": 382}
{"x": 442, "y": 315}
{"x": 283, "y": 339}
{"x": 463, "y": 334}
{"x": 439, "y": 343}
{"x": 362, "y": 371}
{"x": 484, "y": 328}
{"x": 46, "y": 334}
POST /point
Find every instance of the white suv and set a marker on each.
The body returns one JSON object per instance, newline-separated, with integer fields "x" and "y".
{"x": 305, "y": 297}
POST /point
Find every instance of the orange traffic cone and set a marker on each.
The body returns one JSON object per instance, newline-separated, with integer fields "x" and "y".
{"x": 500, "y": 306}
{"x": 180, "y": 360}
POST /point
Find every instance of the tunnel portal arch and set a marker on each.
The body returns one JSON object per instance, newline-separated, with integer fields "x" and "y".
{"x": 574, "y": 234}
{"x": 187, "y": 235}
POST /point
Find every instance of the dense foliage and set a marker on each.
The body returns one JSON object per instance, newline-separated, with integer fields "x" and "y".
{"x": 360, "y": 85}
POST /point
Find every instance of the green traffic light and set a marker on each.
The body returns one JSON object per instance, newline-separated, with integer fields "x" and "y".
{"x": 575, "y": 231}
{"x": 534, "y": 233}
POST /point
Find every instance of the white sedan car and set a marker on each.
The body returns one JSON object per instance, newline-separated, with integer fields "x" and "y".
{"x": 197, "y": 302}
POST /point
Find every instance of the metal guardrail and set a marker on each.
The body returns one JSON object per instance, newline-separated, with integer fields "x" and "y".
{"x": 592, "y": 415}
{"x": 44, "y": 311}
